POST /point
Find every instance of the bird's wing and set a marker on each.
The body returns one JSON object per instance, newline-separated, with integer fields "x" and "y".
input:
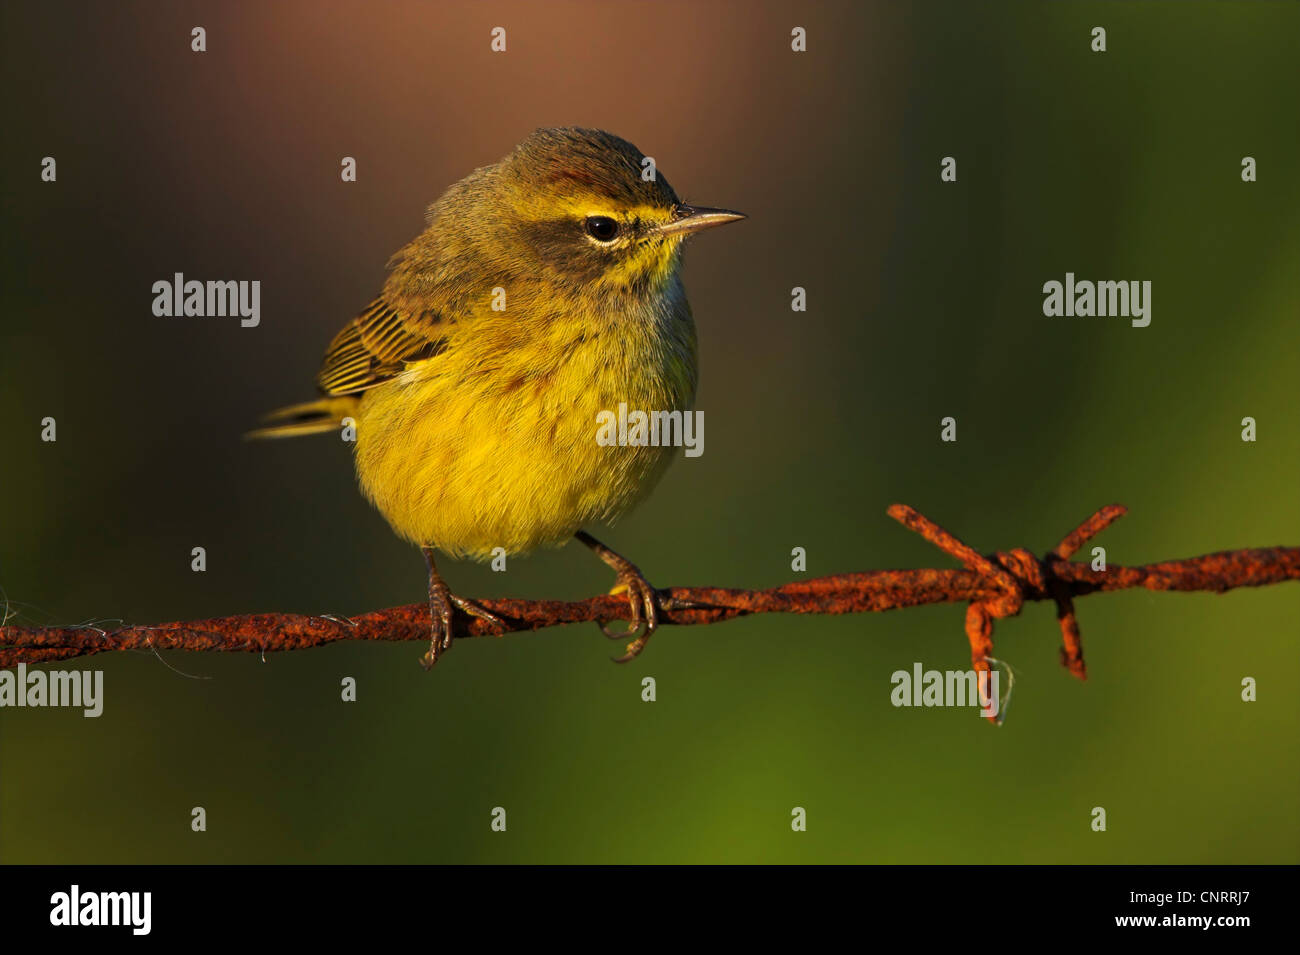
{"x": 376, "y": 346}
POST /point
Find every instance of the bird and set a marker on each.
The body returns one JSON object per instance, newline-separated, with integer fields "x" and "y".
{"x": 545, "y": 290}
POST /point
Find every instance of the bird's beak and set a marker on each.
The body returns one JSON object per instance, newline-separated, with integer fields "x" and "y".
{"x": 689, "y": 219}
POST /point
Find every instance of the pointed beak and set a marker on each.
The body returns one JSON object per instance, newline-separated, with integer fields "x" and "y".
{"x": 689, "y": 219}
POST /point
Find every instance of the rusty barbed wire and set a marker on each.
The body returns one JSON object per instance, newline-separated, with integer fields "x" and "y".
{"x": 995, "y": 586}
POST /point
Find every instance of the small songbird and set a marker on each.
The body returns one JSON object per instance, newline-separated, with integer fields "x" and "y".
{"x": 544, "y": 291}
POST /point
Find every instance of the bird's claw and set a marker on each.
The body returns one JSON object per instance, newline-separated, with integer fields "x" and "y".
{"x": 474, "y": 610}
{"x": 645, "y": 613}
{"x": 441, "y": 602}
{"x": 439, "y": 625}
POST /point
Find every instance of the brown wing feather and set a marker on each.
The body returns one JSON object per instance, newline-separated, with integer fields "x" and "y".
{"x": 375, "y": 346}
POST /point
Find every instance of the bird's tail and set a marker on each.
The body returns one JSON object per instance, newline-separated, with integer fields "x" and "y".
{"x": 311, "y": 417}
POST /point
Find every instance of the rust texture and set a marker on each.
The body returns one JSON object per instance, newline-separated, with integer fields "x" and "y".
{"x": 994, "y": 586}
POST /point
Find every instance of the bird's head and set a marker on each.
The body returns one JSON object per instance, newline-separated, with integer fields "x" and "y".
{"x": 579, "y": 210}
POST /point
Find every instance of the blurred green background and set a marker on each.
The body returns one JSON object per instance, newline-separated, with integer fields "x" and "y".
{"x": 924, "y": 300}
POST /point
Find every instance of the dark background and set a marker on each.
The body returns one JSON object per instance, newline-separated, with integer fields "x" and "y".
{"x": 924, "y": 301}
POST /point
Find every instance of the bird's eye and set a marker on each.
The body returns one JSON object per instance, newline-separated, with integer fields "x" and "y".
{"x": 601, "y": 228}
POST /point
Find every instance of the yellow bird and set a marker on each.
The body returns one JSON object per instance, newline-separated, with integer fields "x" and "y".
{"x": 544, "y": 291}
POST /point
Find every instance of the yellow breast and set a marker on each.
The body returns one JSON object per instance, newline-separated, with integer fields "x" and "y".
{"x": 493, "y": 442}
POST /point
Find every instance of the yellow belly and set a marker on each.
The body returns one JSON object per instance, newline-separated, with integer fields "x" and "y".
{"x": 495, "y": 445}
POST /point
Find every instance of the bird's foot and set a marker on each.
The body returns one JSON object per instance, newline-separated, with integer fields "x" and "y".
{"x": 441, "y": 604}
{"x": 645, "y": 611}
{"x": 643, "y": 598}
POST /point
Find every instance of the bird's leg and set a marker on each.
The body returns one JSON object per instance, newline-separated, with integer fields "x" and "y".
{"x": 645, "y": 606}
{"x": 439, "y": 613}
{"x": 441, "y": 601}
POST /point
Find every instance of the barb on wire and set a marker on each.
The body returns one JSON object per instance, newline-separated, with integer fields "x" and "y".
{"x": 994, "y": 586}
